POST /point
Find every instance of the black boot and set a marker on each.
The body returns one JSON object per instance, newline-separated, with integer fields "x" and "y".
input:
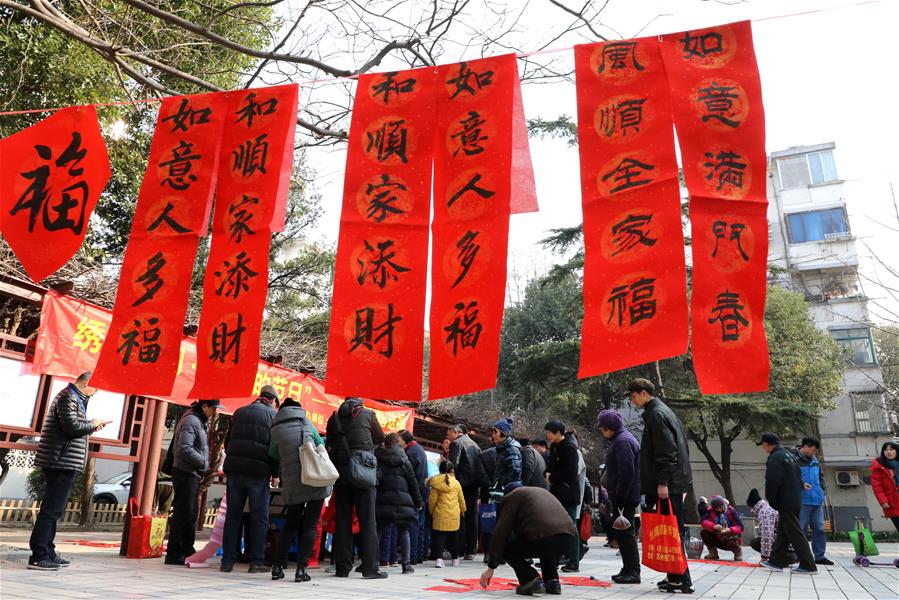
{"x": 302, "y": 576}
{"x": 277, "y": 572}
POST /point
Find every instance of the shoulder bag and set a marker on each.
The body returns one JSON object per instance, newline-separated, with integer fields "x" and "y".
{"x": 362, "y": 471}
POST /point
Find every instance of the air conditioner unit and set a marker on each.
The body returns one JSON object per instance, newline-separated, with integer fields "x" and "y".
{"x": 847, "y": 478}
{"x": 841, "y": 235}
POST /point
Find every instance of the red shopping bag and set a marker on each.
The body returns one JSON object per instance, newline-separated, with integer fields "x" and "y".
{"x": 586, "y": 526}
{"x": 146, "y": 533}
{"x": 662, "y": 549}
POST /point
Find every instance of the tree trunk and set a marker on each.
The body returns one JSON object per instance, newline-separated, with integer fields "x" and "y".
{"x": 87, "y": 493}
{"x": 727, "y": 450}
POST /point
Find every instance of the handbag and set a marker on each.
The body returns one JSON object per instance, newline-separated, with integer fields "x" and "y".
{"x": 662, "y": 549}
{"x": 487, "y": 517}
{"x": 316, "y": 468}
{"x": 145, "y": 533}
{"x": 362, "y": 471}
{"x": 862, "y": 542}
{"x": 586, "y": 528}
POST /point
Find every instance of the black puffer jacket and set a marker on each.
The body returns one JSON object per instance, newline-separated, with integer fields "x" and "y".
{"x": 463, "y": 454}
{"x": 783, "y": 480}
{"x": 664, "y": 456}
{"x": 533, "y": 468}
{"x": 487, "y": 472}
{"x": 563, "y": 472}
{"x": 246, "y": 449}
{"x": 398, "y": 495}
{"x": 64, "y": 435}
{"x": 191, "y": 447}
{"x": 361, "y": 428}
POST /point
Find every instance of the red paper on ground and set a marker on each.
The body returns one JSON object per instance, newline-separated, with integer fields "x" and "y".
{"x": 473, "y": 167}
{"x": 376, "y": 338}
{"x": 635, "y": 300}
{"x": 51, "y": 176}
{"x": 172, "y": 213}
{"x": 258, "y": 136}
{"x": 721, "y": 130}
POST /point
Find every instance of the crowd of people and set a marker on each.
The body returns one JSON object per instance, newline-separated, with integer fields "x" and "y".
{"x": 387, "y": 510}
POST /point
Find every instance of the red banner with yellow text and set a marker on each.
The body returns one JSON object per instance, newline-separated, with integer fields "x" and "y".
{"x": 721, "y": 130}
{"x": 635, "y": 299}
{"x": 376, "y": 338}
{"x": 172, "y": 213}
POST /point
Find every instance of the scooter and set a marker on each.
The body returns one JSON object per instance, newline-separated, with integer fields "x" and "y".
{"x": 863, "y": 561}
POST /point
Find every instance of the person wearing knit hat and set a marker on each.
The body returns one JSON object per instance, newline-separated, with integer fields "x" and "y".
{"x": 722, "y": 529}
{"x": 508, "y": 456}
{"x": 623, "y": 484}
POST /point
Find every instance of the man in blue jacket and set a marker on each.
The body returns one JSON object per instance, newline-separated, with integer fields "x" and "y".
{"x": 419, "y": 461}
{"x": 812, "y": 511}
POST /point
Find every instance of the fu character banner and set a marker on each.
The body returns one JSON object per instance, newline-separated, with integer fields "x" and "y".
{"x": 172, "y": 213}
{"x": 635, "y": 297}
{"x": 720, "y": 123}
{"x": 51, "y": 176}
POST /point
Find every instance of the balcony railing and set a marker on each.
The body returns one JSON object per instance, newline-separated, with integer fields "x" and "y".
{"x": 871, "y": 416}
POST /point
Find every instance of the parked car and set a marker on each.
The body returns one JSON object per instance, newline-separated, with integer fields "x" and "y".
{"x": 114, "y": 490}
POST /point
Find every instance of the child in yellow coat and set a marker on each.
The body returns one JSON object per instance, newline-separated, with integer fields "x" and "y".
{"x": 446, "y": 504}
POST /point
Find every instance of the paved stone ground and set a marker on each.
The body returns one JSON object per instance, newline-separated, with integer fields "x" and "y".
{"x": 101, "y": 573}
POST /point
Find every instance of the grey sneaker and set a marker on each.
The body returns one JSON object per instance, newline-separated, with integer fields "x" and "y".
{"x": 43, "y": 565}
{"x": 768, "y": 565}
{"x": 804, "y": 571}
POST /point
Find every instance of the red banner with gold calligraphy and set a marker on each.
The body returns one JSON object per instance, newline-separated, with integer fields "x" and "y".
{"x": 172, "y": 213}
{"x": 256, "y": 153}
{"x": 51, "y": 176}
{"x": 376, "y": 337}
{"x": 472, "y": 198}
{"x": 71, "y": 336}
{"x": 635, "y": 298}
{"x": 720, "y": 124}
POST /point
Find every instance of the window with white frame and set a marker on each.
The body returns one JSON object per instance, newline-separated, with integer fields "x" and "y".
{"x": 803, "y": 170}
{"x": 816, "y": 225}
{"x": 857, "y": 344}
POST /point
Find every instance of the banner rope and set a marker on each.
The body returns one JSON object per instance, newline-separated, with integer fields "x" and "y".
{"x": 351, "y": 77}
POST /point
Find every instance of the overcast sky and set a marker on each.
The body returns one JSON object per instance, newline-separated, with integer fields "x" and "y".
{"x": 826, "y": 76}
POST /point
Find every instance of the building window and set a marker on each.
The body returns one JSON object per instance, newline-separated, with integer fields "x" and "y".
{"x": 803, "y": 170}
{"x": 818, "y": 225}
{"x": 870, "y": 413}
{"x": 857, "y": 344}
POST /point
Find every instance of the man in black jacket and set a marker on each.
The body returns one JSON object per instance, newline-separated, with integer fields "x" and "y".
{"x": 562, "y": 477}
{"x": 249, "y": 468}
{"x": 783, "y": 490}
{"x": 463, "y": 454}
{"x": 353, "y": 428}
{"x": 190, "y": 447}
{"x": 533, "y": 466}
{"x": 665, "y": 472}
{"x": 419, "y": 461}
{"x": 61, "y": 454}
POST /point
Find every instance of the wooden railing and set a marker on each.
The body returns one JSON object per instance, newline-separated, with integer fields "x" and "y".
{"x": 25, "y": 511}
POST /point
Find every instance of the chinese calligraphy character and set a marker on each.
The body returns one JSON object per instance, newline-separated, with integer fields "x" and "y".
{"x": 465, "y": 329}
{"x": 226, "y": 342}
{"x": 251, "y": 156}
{"x": 236, "y": 277}
{"x": 469, "y": 136}
{"x": 253, "y": 109}
{"x": 383, "y": 203}
{"x": 625, "y": 115}
{"x": 702, "y": 45}
{"x": 718, "y": 101}
{"x": 150, "y": 278}
{"x": 89, "y": 335}
{"x": 179, "y": 167}
{"x": 727, "y": 167}
{"x": 471, "y": 186}
{"x": 368, "y": 335}
{"x": 391, "y": 85}
{"x": 241, "y": 213}
{"x": 165, "y": 217}
{"x": 630, "y": 231}
{"x": 468, "y": 250}
{"x": 186, "y": 117}
{"x": 627, "y": 174}
{"x": 142, "y": 338}
{"x": 719, "y": 228}
{"x": 378, "y": 264}
{"x": 640, "y": 306}
{"x": 727, "y": 311}
{"x": 388, "y": 140}
{"x": 38, "y": 198}
{"x": 469, "y": 81}
{"x": 618, "y": 54}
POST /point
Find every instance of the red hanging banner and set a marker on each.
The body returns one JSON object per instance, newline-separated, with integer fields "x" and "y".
{"x": 635, "y": 297}
{"x": 172, "y": 213}
{"x": 256, "y": 158}
{"x": 472, "y": 196}
{"x": 51, "y": 176}
{"x": 376, "y": 338}
{"x": 721, "y": 130}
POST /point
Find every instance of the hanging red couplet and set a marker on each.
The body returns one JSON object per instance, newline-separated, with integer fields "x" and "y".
{"x": 51, "y": 176}
{"x": 635, "y": 298}
{"x": 172, "y": 213}
{"x": 376, "y": 337}
{"x": 254, "y": 168}
{"x": 472, "y": 196}
{"x": 721, "y": 130}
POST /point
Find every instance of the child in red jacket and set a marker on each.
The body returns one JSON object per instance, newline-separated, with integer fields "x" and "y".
{"x": 885, "y": 481}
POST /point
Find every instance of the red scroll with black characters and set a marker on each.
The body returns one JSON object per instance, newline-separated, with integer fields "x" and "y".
{"x": 51, "y": 176}
{"x": 172, "y": 213}
{"x": 721, "y": 129}
{"x": 253, "y": 177}
{"x": 376, "y": 338}
{"x": 472, "y": 194}
{"x": 635, "y": 300}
